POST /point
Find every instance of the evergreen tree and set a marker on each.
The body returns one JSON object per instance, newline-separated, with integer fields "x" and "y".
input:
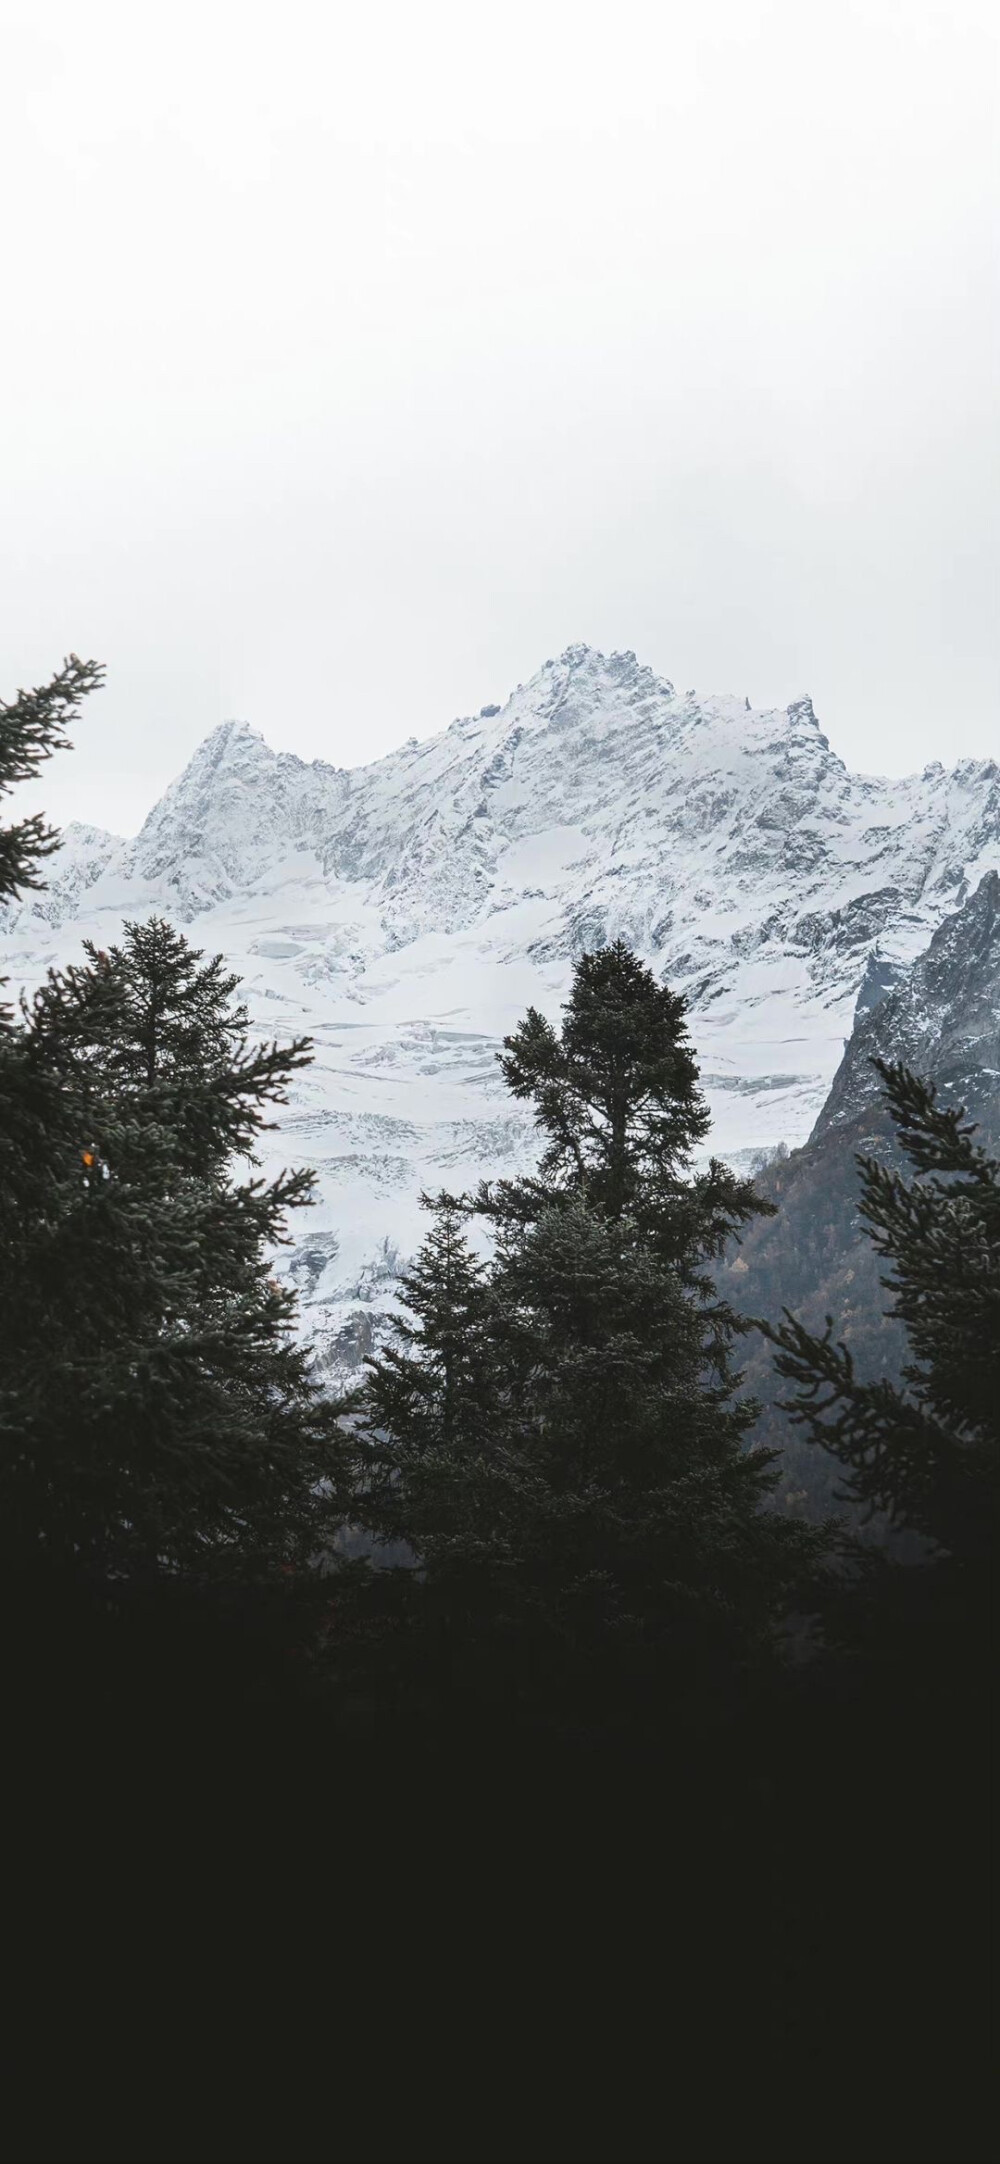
{"x": 594, "y": 1486}
{"x": 615, "y": 1092}
{"x": 926, "y": 1454}
{"x": 157, "y": 1415}
{"x": 151, "y": 1023}
{"x": 431, "y": 1401}
{"x": 32, "y": 727}
{"x": 34, "y": 1132}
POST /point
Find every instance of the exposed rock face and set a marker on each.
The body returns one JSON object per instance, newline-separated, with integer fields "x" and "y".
{"x": 942, "y": 1018}
{"x": 406, "y": 912}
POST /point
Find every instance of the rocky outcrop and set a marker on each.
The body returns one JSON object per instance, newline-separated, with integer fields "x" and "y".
{"x": 942, "y": 1018}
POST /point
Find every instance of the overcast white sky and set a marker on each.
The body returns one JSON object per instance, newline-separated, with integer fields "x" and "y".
{"x": 357, "y": 358}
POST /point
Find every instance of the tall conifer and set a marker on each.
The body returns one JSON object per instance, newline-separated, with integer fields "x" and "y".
{"x": 157, "y": 1417}
{"x": 160, "y": 1415}
{"x": 601, "y": 1485}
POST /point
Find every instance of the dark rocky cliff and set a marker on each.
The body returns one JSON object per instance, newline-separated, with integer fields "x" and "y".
{"x": 942, "y": 1018}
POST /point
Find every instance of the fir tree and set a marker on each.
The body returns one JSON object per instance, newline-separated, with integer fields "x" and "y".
{"x": 151, "y": 1022}
{"x": 157, "y": 1414}
{"x": 430, "y": 1404}
{"x": 615, "y": 1091}
{"x": 36, "y": 1127}
{"x": 926, "y": 1454}
{"x": 444, "y": 1288}
{"x": 594, "y": 1484}
{"x": 32, "y": 727}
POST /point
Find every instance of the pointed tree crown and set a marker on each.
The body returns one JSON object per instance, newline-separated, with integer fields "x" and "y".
{"x": 152, "y": 1020}
{"x": 616, "y": 1089}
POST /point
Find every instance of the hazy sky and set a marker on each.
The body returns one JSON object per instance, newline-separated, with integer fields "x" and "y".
{"x": 357, "y": 358}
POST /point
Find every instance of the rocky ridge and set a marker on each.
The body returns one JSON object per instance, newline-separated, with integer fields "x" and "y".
{"x": 942, "y": 1018}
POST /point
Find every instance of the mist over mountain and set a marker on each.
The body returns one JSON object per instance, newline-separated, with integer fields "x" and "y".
{"x": 406, "y": 912}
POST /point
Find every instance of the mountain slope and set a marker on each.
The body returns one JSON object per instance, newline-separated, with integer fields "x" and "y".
{"x": 407, "y": 911}
{"x": 942, "y": 1018}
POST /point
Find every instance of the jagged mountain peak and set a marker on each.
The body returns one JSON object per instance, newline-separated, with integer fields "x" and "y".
{"x": 233, "y": 753}
{"x": 570, "y": 688}
{"x": 228, "y": 817}
{"x": 582, "y": 693}
{"x": 227, "y": 734}
{"x": 232, "y": 746}
{"x": 620, "y": 670}
{"x": 78, "y": 835}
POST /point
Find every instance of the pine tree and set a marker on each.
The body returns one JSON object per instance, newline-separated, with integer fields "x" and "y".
{"x": 927, "y": 1454}
{"x": 597, "y": 1488}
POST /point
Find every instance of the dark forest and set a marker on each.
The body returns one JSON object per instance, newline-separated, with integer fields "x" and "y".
{"x": 572, "y": 1742}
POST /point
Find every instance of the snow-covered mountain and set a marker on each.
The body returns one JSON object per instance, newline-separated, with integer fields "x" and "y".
{"x": 406, "y": 912}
